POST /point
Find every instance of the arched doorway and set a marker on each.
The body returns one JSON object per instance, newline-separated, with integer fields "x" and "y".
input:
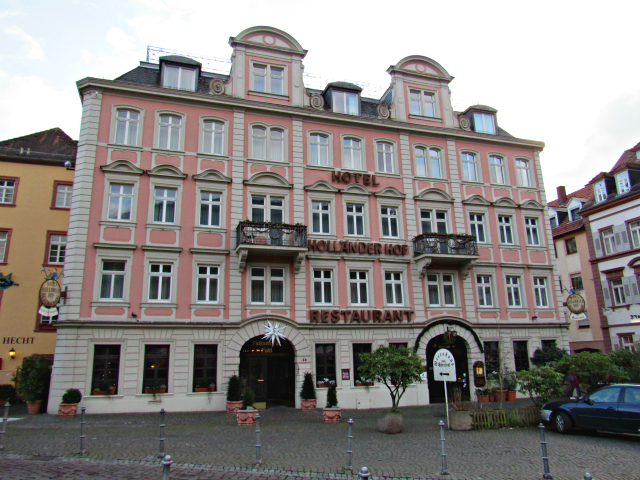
{"x": 269, "y": 370}
{"x": 458, "y": 347}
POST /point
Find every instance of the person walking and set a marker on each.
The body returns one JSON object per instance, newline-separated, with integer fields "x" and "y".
{"x": 575, "y": 384}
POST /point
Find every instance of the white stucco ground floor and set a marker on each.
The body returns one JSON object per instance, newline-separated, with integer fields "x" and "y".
{"x": 137, "y": 367}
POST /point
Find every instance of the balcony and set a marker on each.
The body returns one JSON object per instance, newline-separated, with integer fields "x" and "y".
{"x": 263, "y": 238}
{"x": 448, "y": 249}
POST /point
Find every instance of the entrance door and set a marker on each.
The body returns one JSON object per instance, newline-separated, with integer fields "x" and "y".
{"x": 460, "y": 388}
{"x": 269, "y": 371}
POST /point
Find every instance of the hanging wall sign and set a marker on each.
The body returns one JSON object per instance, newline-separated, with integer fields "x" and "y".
{"x": 50, "y": 293}
{"x": 575, "y": 303}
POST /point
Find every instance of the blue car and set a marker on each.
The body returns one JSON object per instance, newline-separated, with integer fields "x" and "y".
{"x": 614, "y": 408}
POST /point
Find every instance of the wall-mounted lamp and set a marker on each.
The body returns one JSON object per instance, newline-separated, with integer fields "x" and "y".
{"x": 535, "y": 317}
{"x": 12, "y": 353}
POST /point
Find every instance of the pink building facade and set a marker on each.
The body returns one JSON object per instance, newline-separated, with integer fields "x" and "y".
{"x": 209, "y": 208}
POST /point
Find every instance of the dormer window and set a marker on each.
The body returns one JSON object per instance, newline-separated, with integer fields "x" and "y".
{"x": 574, "y": 214}
{"x": 181, "y": 78}
{"x": 553, "y": 221}
{"x": 422, "y": 103}
{"x": 622, "y": 182}
{"x": 601, "y": 192}
{"x": 268, "y": 78}
{"x": 345, "y": 102}
{"x": 484, "y": 123}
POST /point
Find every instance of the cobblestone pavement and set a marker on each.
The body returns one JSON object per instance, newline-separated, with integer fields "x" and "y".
{"x": 209, "y": 445}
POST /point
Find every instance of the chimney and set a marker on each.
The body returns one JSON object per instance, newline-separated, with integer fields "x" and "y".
{"x": 562, "y": 195}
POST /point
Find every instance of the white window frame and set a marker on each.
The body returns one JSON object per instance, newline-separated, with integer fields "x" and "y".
{"x": 165, "y": 200}
{"x": 269, "y": 130}
{"x": 319, "y": 276}
{"x": 115, "y": 255}
{"x": 440, "y": 285}
{"x": 423, "y": 103}
{"x": 484, "y": 123}
{"x": 359, "y": 281}
{"x": 130, "y": 142}
{"x": 7, "y": 191}
{"x": 617, "y": 292}
{"x": 484, "y": 290}
{"x": 356, "y": 197}
{"x": 524, "y": 174}
{"x": 268, "y": 279}
{"x": 218, "y": 136}
{"x": 425, "y": 154}
{"x": 322, "y": 197}
{"x": 121, "y": 178}
{"x": 340, "y": 103}
{"x": 470, "y": 167}
{"x": 210, "y": 204}
{"x": 268, "y": 192}
{"x": 385, "y": 153}
{"x": 120, "y": 196}
{"x": 181, "y": 130}
{"x": 322, "y": 210}
{"x": 209, "y": 277}
{"x": 63, "y": 195}
{"x": 57, "y": 248}
{"x": 623, "y": 184}
{"x": 319, "y": 147}
{"x": 208, "y": 259}
{"x": 434, "y": 219}
{"x": 395, "y": 280}
{"x": 497, "y": 168}
{"x": 128, "y": 126}
{"x": 388, "y": 218}
{"x": 477, "y": 225}
{"x": 634, "y": 233}
{"x": 505, "y": 229}
{"x": 269, "y": 77}
{"x": 344, "y": 149}
{"x": 268, "y": 208}
{"x": 161, "y": 275}
{"x": 182, "y": 82}
{"x": 112, "y": 274}
{"x": 167, "y": 183}
{"x": 601, "y": 191}
{"x": 608, "y": 241}
{"x": 354, "y": 216}
{"x": 514, "y": 291}
{"x": 532, "y": 231}
{"x": 541, "y": 291}
{"x": 4, "y": 244}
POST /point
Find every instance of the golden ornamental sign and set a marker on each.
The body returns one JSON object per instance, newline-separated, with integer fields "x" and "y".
{"x": 50, "y": 293}
{"x": 575, "y": 303}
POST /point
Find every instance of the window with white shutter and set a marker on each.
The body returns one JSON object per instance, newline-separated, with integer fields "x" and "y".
{"x": 607, "y": 295}
{"x": 598, "y": 246}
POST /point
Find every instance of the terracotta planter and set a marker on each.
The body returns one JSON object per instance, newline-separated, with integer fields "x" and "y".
{"x": 151, "y": 390}
{"x": 483, "y": 398}
{"x": 200, "y": 389}
{"x": 492, "y": 398}
{"x": 498, "y": 394}
{"x": 34, "y": 407}
{"x": 308, "y": 405}
{"x": 461, "y": 420}
{"x": 233, "y": 407}
{"x": 246, "y": 417}
{"x": 323, "y": 386}
{"x": 332, "y": 415}
{"x": 511, "y": 395}
{"x": 100, "y": 392}
{"x": 67, "y": 409}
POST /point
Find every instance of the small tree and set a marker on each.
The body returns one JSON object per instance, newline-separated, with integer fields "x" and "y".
{"x": 332, "y": 397}
{"x": 540, "y": 383}
{"x": 33, "y": 378}
{"x": 395, "y": 367}
{"x": 248, "y": 399}
{"x": 592, "y": 368}
{"x": 72, "y": 395}
{"x": 546, "y": 355}
{"x": 234, "y": 389}
{"x": 308, "y": 390}
{"x": 628, "y": 361}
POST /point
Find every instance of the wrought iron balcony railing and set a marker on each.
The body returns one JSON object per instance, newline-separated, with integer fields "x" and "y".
{"x": 276, "y": 234}
{"x": 446, "y": 244}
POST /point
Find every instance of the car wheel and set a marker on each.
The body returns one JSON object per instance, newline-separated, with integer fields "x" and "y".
{"x": 563, "y": 422}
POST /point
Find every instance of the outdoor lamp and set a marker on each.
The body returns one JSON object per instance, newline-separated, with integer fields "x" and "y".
{"x": 12, "y": 353}
{"x": 479, "y": 371}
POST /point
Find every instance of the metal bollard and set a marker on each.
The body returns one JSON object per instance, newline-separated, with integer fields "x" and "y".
{"x": 349, "y": 449}
{"x": 545, "y": 457}
{"x": 364, "y": 473}
{"x": 166, "y": 467}
{"x": 443, "y": 454}
{"x": 258, "y": 458}
{"x": 587, "y": 476}
{"x": 82, "y": 410}
{"x": 4, "y": 424}
{"x": 161, "y": 435}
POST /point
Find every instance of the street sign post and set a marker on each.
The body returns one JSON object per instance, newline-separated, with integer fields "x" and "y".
{"x": 444, "y": 370}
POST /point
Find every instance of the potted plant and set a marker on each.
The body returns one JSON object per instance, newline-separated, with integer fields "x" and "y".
{"x": 510, "y": 383}
{"x": 70, "y": 401}
{"x": 326, "y": 383}
{"x": 483, "y": 395}
{"x": 332, "y": 413}
{"x": 234, "y": 394}
{"x": 33, "y": 379}
{"x": 308, "y": 393}
{"x": 199, "y": 389}
{"x": 212, "y": 387}
{"x": 6, "y": 393}
{"x": 247, "y": 414}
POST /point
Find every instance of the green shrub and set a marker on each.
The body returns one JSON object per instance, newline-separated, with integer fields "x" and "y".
{"x": 510, "y": 380}
{"x": 248, "y": 399}
{"x": 6, "y": 391}
{"x": 308, "y": 391}
{"x": 628, "y": 361}
{"x": 592, "y": 368}
{"x": 544, "y": 356}
{"x": 332, "y": 397}
{"x": 540, "y": 383}
{"x": 234, "y": 389}
{"x": 33, "y": 378}
{"x": 72, "y": 395}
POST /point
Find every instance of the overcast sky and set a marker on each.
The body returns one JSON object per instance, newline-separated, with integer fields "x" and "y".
{"x": 562, "y": 72}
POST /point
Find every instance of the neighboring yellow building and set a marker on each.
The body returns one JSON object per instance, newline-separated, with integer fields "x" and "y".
{"x": 35, "y": 197}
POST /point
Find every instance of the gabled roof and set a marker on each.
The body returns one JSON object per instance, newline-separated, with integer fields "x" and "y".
{"x": 52, "y": 145}
{"x": 585, "y": 192}
{"x": 567, "y": 227}
{"x": 628, "y": 158}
